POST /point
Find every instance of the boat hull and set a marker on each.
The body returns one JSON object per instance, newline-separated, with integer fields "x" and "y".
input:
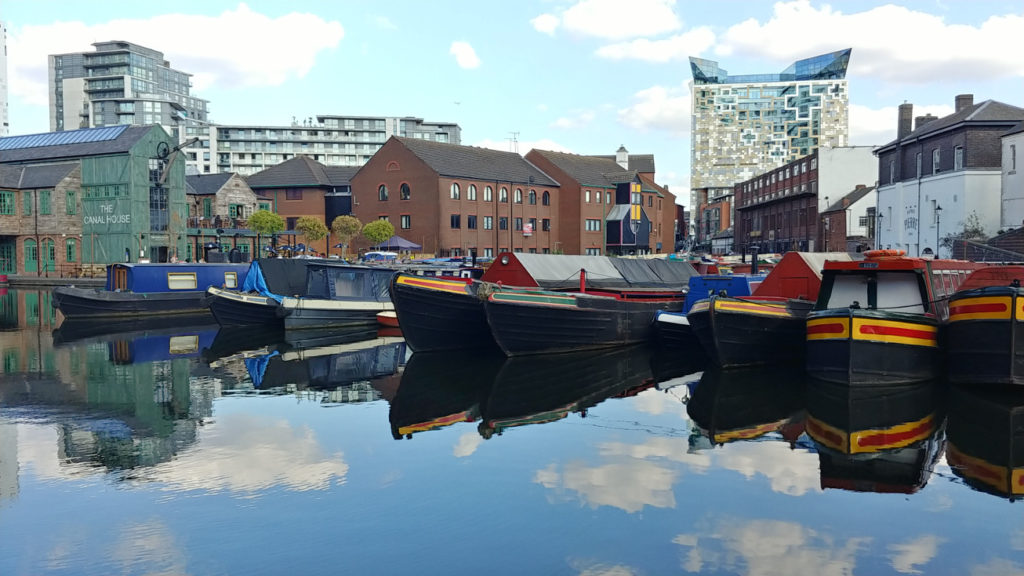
{"x": 76, "y": 302}
{"x": 525, "y": 323}
{"x": 865, "y": 348}
{"x": 736, "y": 332}
{"x": 674, "y": 332}
{"x": 307, "y": 313}
{"x": 985, "y": 336}
{"x": 437, "y": 314}
{"x": 237, "y": 309}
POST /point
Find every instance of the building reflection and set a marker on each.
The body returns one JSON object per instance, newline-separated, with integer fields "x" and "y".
{"x": 878, "y": 438}
{"x": 985, "y": 432}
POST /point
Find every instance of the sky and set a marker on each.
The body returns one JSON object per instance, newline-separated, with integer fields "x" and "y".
{"x": 580, "y": 76}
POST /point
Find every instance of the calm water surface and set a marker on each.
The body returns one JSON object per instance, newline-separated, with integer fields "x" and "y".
{"x": 178, "y": 449}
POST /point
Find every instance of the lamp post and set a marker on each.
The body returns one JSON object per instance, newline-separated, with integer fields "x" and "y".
{"x": 878, "y": 234}
{"x": 938, "y": 221}
{"x": 824, "y": 226}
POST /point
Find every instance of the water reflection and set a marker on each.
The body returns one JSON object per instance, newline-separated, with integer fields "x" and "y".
{"x": 878, "y": 438}
{"x": 985, "y": 431}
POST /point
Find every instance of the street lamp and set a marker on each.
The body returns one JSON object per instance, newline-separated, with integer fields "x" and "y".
{"x": 878, "y": 234}
{"x": 938, "y": 221}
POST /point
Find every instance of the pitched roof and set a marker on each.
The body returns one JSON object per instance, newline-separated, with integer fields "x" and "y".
{"x": 297, "y": 172}
{"x": 30, "y": 177}
{"x": 1015, "y": 130}
{"x": 589, "y": 170}
{"x": 852, "y": 197}
{"x": 459, "y": 161}
{"x": 638, "y": 162}
{"x": 206, "y": 184}
{"x": 985, "y": 112}
{"x": 72, "y": 143}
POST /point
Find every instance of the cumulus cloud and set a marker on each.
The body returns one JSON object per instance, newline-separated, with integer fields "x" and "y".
{"x": 265, "y": 55}
{"x": 546, "y": 24}
{"x": 629, "y": 486}
{"x": 464, "y": 54}
{"x": 997, "y": 567}
{"x": 614, "y": 20}
{"x": 659, "y": 108}
{"x": 673, "y": 48}
{"x": 906, "y": 556}
{"x": 792, "y": 472}
{"x": 877, "y": 126}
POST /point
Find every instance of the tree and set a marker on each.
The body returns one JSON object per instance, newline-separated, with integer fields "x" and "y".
{"x": 265, "y": 223}
{"x": 345, "y": 228}
{"x": 311, "y": 228}
{"x": 378, "y": 231}
{"x": 972, "y": 230}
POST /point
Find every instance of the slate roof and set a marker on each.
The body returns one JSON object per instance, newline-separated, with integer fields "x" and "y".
{"x": 30, "y": 177}
{"x": 857, "y": 194}
{"x": 638, "y": 162}
{"x": 1015, "y": 130}
{"x": 984, "y": 112}
{"x": 206, "y": 184}
{"x": 297, "y": 172}
{"x": 118, "y": 145}
{"x": 471, "y": 162}
{"x": 591, "y": 170}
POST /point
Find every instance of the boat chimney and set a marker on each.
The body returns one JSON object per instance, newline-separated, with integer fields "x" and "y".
{"x": 753, "y": 260}
{"x": 583, "y": 280}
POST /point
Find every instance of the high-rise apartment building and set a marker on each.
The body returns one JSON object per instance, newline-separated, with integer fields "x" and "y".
{"x": 5, "y": 126}
{"x": 330, "y": 140}
{"x": 745, "y": 125}
{"x": 120, "y": 83}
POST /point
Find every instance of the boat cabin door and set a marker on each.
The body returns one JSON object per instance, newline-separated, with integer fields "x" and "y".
{"x": 121, "y": 278}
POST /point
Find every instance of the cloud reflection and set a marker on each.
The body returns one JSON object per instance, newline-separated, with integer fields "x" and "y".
{"x": 905, "y": 557}
{"x": 467, "y": 444}
{"x": 629, "y": 486}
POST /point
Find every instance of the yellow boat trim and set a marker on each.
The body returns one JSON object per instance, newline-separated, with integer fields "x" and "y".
{"x": 899, "y": 436}
{"x": 433, "y": 284}
{"x": 755, "y": 308}
{"x": 982, "y": 308}
{"x": 828, "y": 329}
{"x": 986, "y": 472}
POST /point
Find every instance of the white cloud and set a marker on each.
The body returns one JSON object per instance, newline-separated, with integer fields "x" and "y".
{"x": 262, "y": 52}
{"x": 874, "y": 127}
{"x": 616, "y": 20}
{"x": 384, "y": 23}
{"x": 906, "y": 556}
{"x": 467, "y": 444}
{"x": 997, "y": 567}
{"x": 659, "y": 108}
{"x": 792, "y": 472}
{"x": 546, "y": 24}
{"x": 919, "y": 47}
{"x": 576, "y": 120}
{"x": 464, "y": 54}
{"x": 674, "y": 48}
{"x": 522, "y": 146}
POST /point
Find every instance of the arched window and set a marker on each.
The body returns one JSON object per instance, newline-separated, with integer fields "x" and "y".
{"x": 545, "y": 198}
{"x": 519, "y": 195}
{"x": 471, "y": 192}
{"x": 503, "y": 195}
{"x": 382, "y": 192}
{"x": 455, "y": 191}
{"x": 488, "y": 194}
{"x": 532, "y": 197}
{"x": 404, "y": 190}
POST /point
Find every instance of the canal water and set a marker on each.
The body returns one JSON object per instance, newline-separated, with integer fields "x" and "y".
{"x": 180, "y": 449}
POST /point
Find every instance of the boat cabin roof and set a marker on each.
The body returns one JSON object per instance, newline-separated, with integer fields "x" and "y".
{"x": 173, "y": 277}
{"x": 562, "y": 271}
{"x": 994, "y": 276}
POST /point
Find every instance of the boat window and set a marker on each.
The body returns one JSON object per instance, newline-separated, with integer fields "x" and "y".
{"x": 948, "y": 282}
{"x": 848, "y": 289}
{"x": 181, "y": 280}
{"x": 900, "y": 292}
{"x": 937, "y": 289}
{"x": 231, "y": 280}
{"x": 183, "y": 344}
{"x": 347, "y": 285}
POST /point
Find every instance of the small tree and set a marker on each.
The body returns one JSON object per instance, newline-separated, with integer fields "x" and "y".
{"x": 972, "y": 230}
{"x": 378, "y": 231}
{"x": 265, "y": 223}
{"x": 345, "y": 228}
{"x": 311, "y": 228}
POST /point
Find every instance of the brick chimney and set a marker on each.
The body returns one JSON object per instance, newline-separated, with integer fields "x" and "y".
{"x": 922, "y": 120}
{"x": 904, "y": 126}
{"x": 622, "y": 157}
{"x": 964, "y": 101}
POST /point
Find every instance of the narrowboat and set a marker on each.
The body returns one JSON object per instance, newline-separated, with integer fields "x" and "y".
{"x": 448, "y": 313}
{"x": 134, "y": 290}
{"x": 985, "y": 438}
{"x": 673, "y": 328}
{"x": 767, "y": 327}
{"x": 876, "y": 321}
{"x": 985, "y": 332}
{"x": 142, "y": 342}
{"x": 884, "y": 439}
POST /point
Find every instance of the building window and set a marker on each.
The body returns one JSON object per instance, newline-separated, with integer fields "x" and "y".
{"x": 471, "y": 222}
{"x": 503, "y": 194}
{"x": 545, "y": 225}
{"x": 519, "y": 195}
{"x": 892, "y": 171}
{"x": 488, "y": 222}
{"x": 31, "y": 255}
{"x": 207, "y": 208}
{"x": 404, "y": 191}
{"x": 70, "y": 250}
{"x": 503, "y": 225}
{"x": 532, "y": 196}
{"x": 70, "y": 203}
{"x": 471, "y": 192}
{"x": 44, "y": 202}
{"x": 488, "y": 252}
{"x": 293, "y": 194}
{"x": 488, "y": 194}
{"x": 263, "y": 206}
{"x": 455, "y": 192}
{"x": 290, "y": 222}
{"x": 533, "y": 224}
{"x": 593, "y": 225}
{"x": 650, "y": 201}
{"x": 382, "y": 192}
{"x": 586, "y": 197}
{"x": 519, "y": 224}
{"x": 919, "y": 164}
{"x": 405, "y": 221}
{"x": 456, "y": 221}
{"x": 384, "y": 218}
{"x": 958, "y": 158}
{"x": 593, "y": 251}
{"x": 607, "y": 197}
{"x": 935, "y": 161}
{"x": 1013, "y": 157}
{"x": 545, "y": 198}
{"x": 26, "y": 203}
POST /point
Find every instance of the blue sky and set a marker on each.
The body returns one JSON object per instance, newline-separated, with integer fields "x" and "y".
{"x": 583, "y": 76}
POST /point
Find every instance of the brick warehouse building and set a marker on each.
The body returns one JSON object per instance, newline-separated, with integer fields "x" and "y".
{"x": 452, "y": 199}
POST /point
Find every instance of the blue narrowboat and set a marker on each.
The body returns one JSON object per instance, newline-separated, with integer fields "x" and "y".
{"x": 148, "y": 290}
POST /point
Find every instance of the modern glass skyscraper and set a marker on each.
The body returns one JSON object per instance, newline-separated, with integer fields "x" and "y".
{"x": 120, "y": 83}
{"x": 744, "y": 125}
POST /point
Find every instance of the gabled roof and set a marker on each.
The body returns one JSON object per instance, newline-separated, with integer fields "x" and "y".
{"x": 1015, "y": 130}
{"x": 589, "y": 170}
{"x": 852, "y": 197}
{"x": 206, "y": 184}
{"x": 297, "y": 172}
{"x": 989, "y": 111}
{"x": 637, "y": 162}
{"x": 71, "y": 143}
{"x": 31, "y": 177}
{"x": 475, "y": 163}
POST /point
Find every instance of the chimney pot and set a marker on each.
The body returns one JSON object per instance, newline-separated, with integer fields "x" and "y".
{"x": 964, "y": 101}
{"x": 922, "y": 120}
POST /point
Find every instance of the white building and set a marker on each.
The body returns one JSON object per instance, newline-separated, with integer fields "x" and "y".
{"x": 1013, "y": 177}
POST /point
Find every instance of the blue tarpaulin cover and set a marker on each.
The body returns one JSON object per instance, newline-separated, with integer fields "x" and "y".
{"x": 257, "y": 367}
{"x": 254, "y": 282}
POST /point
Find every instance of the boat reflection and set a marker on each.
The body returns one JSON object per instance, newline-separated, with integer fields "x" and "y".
{"x": 746, "y": 403}
{"x": 538, "y": 389}
{"x": 137, "y": 341}
{"x": 875, "y": 439}
{"x": 439, "y": 389}
{"x": 985, "y": 438}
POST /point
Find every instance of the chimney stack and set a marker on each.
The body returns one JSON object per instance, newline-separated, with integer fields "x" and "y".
{"x": 905, "y": 126}
{"x": 964, "y": 101}
{"x": 922, "y": 120}
{"x": 622, "y": 157}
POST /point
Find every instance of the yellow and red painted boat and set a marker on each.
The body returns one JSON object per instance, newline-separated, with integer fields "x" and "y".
{"x": 985, "y": 438}
{"x": 877, "y": 321}
{"x": 750, "y": 331}
{"x": 985, "y": 334}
